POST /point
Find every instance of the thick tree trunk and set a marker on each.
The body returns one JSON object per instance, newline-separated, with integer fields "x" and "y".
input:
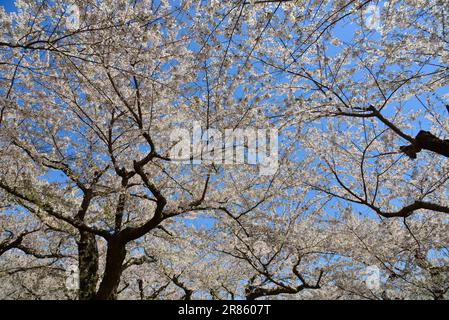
{"x": 115, "y": 256}
{"x": 88, "y": 265}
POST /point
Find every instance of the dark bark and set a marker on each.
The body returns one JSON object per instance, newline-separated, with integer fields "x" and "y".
{"x": 141, "y": 291}
{"x": 88, "y": 265}
{"x": 187, "y": 292}
{"x": 6, "y": 246}
{"x": 116, "y": 251}
{"x": 115, "y": 257}
{"x": 87, "y": 254}
{"x": 253, "y": 292}
{"x": 425, "y": 140}
{"x": 410, "y": 209}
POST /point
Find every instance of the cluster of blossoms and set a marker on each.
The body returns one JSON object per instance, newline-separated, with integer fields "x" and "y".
{"x": 93, "y": 204}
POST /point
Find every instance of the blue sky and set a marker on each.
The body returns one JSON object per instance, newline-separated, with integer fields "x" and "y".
{"x": 7, "y": 4}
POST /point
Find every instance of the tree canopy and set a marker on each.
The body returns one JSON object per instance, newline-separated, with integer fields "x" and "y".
{"x": 93, "y": 204}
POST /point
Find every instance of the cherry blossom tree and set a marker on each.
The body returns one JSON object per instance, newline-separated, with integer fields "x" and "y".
{"x": 93, "y": 92}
